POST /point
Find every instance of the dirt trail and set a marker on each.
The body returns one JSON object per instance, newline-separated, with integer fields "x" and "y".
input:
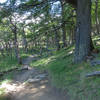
{"x": 37, "y": 91}
{"x": 33, "y": 89}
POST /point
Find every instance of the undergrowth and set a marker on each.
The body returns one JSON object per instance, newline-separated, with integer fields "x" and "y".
{"x": 7, "y": 63}
{"x": 64, "y": 74}
{"x": 71, "y": 77}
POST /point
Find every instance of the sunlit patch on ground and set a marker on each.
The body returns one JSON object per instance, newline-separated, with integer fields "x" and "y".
{"x": 42, "y": 62}
{"x": 9, "y": 86}
{"x": 43, "y": 86}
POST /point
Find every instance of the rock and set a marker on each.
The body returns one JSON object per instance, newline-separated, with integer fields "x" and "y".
{"x": 33, "y": 80}
{"x": 37, "y": 78}
{"x": 95, "y": 62}
{"x": 25, "y": 67}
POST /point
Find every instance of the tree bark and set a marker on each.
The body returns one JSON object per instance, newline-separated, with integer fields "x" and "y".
{"x": 96, "y": 16}
{"x": 24, "y": 40}
{"x": 14, "y": 31}
{"x": 57, "y": 40}
{"x": 83, "y": 32}
{"x": 63, "y": 25}
{"x": 16, "y": 45}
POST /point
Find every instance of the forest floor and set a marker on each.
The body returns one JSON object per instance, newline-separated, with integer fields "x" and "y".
{"x": 36, "y": 84}
{"x": 31, "y": 84}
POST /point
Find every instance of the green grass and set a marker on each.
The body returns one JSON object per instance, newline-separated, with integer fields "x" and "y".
{"x": 64, "y": 74}
{"x": 71, "y": 77}
{"x": 7, "y": 63}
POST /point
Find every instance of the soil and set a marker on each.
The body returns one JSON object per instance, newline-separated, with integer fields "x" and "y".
{"x": 32, "y": 84}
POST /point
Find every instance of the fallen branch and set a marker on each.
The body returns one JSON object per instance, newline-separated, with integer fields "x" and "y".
{"x": 96, "y": 73}
{"x": 95, "y": 62}
{"x": 13, "y": 69}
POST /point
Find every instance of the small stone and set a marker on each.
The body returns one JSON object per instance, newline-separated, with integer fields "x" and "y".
{"x": 33, "y": 80}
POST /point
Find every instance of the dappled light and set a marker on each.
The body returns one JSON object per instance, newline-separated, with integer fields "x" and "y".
{"x": 42, "y": 62}
{"x": 49, "y": 49}
{"x": 11, "y": 87}
{"x": 25, "y": 90}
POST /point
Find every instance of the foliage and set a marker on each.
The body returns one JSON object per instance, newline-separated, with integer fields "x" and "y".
{"x": 38, "y": 27}
{"x": 71, "y": 77}
{"x": 7, "y": 63}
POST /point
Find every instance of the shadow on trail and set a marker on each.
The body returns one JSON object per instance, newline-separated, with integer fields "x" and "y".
{"x": 29, "y": 59}
{"x": 32, "y": 84}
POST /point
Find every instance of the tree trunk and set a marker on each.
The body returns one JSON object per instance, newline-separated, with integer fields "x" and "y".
{"x": 63, "y": 25}
{"x": 24, "y": 40}
{"x": 64, "y": 35}
{"x": 83, "y": 32}
{"x": 96, "y": 16}
{"x": 14, "y": 31}
{"x": 16, "y": 45}
{"x": 57, "y": 39}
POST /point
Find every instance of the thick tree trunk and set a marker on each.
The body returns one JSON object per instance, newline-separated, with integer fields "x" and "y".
{"x": 14, "y": 30}
{"x": 83, "y": 32}
{"x": 16, "y": 45}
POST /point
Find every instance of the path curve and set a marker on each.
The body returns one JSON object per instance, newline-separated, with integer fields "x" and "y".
{"x": 39, "y": 90}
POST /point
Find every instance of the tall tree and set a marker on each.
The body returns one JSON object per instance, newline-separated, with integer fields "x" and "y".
{"x": 16, "y": 46}
{"x": 83, "y": 32}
